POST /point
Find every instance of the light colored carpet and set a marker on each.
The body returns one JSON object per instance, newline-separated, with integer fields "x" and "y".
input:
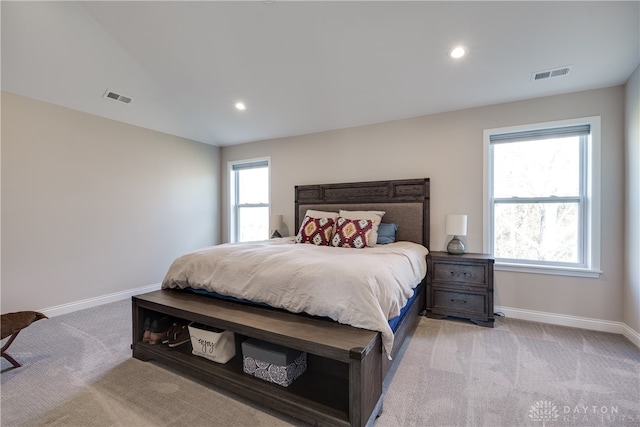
{"x": 78, "y": 371}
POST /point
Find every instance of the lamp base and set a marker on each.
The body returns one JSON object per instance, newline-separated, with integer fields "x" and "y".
{"x": 455, "y": 246}
{"x": 275, "y": 234}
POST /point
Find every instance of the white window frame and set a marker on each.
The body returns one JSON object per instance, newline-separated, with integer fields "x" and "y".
{"x": 234, "y": 207}
{"x": 590, "y": 237}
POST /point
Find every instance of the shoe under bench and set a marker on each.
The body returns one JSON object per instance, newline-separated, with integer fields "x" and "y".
{"x": 343, "y": 382}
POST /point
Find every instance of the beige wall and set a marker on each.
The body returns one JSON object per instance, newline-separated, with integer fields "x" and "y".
{"x": 92, "y": 207}
{"x": 632, "y": 156}
{"x": 448, "y": 148}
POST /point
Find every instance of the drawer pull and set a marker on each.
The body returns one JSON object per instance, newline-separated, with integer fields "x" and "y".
{"x": 459, "y": 300}
{"x": 453, "y": 273}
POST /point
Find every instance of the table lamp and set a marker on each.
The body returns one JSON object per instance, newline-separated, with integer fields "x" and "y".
{"x": 456, "y": 225}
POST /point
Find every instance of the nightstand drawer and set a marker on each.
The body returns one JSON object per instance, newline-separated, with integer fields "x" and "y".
{"x": 469, "y": 274}
{"x": 461, "y": 303}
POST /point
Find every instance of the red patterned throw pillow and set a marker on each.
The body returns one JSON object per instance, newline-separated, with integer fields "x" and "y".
{"x": 316, "y": 231}
{"x": 352, "y": 233}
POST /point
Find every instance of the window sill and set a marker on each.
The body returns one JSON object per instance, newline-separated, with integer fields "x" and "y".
{"x": 547, "y": 269}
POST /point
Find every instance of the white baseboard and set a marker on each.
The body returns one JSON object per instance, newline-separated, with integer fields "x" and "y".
{"x": 572, "y": 321}
{"x": 96, "y": 301}
{"x": 631, "y": 335}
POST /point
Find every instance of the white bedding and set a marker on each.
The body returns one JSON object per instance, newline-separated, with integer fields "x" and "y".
{"x": 359, "y": 287}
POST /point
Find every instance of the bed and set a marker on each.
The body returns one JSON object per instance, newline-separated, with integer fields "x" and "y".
{"x": 347, "y": 364}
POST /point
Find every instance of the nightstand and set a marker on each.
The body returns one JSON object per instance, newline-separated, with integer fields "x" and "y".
{"x": 460, "y": 286}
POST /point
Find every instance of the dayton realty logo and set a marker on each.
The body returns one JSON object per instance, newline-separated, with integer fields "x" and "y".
{"x": 544, "y": 411}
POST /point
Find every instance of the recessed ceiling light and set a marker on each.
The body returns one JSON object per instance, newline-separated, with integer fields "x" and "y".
{"x": 457, "y": 52}
{"x": 240, "y": 106}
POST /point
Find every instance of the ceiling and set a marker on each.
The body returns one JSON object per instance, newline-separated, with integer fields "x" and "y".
{"x": 304, "y": 67}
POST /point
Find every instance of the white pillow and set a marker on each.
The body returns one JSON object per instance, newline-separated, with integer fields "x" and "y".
{"x": 321, "y": 214}
{"x": 375, "y": 216}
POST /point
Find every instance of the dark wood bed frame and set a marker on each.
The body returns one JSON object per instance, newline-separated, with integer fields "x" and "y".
{"x": 343, "y": 384}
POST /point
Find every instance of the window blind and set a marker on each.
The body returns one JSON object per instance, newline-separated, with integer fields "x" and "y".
{"x": 250, "y": 165}
{"x": 530, "y": 135}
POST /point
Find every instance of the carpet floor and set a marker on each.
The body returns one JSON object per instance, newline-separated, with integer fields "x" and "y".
{"x": 78, "y": 371}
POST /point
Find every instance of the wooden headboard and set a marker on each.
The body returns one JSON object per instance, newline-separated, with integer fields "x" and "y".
{"x": 406, "y": 203}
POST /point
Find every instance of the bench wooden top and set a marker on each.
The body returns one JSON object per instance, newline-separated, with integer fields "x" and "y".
{"x": 323, "y": 337}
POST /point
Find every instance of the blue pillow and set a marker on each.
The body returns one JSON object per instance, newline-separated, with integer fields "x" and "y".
{"x": 386, "y": 233}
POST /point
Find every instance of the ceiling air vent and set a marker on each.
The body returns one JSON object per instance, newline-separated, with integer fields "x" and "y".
{"x": 547, "y": 74}
{"x": 118, "y": 97}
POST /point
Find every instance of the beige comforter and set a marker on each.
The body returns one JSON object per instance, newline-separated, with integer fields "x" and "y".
{"x": 359, "y": 287}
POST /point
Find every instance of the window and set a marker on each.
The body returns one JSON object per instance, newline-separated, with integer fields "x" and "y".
{"x": 542, "y": 201}
{"x": 249, "y": 194}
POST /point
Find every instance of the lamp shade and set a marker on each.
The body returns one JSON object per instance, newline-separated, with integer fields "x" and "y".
{"x": 275, "y": 222}
{"x": 456, "y": 225}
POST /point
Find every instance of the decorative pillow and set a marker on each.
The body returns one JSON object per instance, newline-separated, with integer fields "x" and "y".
{"x": 375, "y": 216}
{"x": 352, "y": 233}
{"x": 315, "y": 230}
{"x": 387, "y": 233}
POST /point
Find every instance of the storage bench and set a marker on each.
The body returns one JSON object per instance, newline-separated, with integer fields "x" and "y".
{"x": 342, "y": 385}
